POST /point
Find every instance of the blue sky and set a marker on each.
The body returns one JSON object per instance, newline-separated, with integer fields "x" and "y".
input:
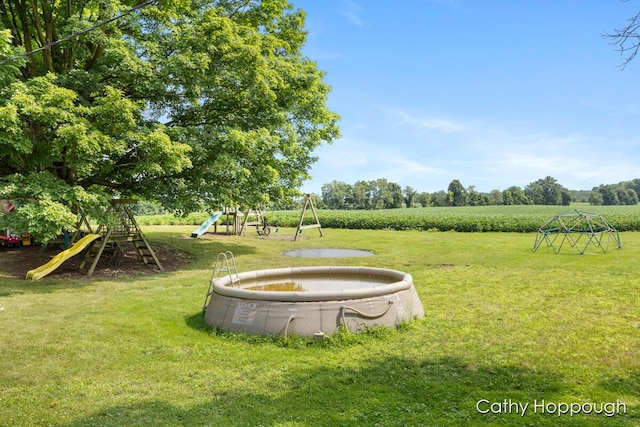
{"x": 493, "y": 93}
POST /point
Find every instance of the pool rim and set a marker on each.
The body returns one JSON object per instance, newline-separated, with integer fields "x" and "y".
{"x": 225, "y": 285}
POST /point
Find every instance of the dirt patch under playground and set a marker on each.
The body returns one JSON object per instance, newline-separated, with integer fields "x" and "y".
{"x": 15, "y": 262}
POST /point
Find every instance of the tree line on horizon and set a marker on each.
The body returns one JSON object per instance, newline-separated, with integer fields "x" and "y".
{"x": 383, "y": 194}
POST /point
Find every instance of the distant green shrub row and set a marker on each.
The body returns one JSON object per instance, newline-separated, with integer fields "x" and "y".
{"x": 419, "y": 220}
{"x": 462, "y": 219}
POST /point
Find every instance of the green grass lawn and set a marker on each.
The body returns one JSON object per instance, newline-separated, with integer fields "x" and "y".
{"x": 503, "y": 325}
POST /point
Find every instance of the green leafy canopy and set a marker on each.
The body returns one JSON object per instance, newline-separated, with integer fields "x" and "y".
{"x": 193, "y": 104}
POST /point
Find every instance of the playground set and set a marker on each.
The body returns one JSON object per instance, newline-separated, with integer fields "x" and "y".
{"x": 237, "y": 221}
{"x": 580, "y": 230}
{"x": 114, "y": 237}
{"x": 109, "y": 238}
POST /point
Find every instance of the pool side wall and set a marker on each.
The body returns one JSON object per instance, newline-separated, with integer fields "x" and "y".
{"x": 387, "y": 303}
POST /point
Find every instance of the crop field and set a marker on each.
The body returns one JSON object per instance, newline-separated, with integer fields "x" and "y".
{"x": 511, "y": 337}
{"x": 463, "y": 219}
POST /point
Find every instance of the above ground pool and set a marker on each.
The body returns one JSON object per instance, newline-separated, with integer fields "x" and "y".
{"x": 308, "y": 301}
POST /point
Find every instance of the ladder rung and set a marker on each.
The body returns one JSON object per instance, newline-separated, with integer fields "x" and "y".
{"x": 222, "y": 265}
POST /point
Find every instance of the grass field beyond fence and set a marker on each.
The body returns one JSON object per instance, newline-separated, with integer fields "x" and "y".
{"x": 505, "y": 328}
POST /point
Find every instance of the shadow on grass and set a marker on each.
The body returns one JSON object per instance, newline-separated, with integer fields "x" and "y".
{"x": 390, "y": 391}
{"x": 196, "y": 321}
{"x": 202, "y": 253}
{"x": 11, "y": 287}
{"x": 629, "y": 385}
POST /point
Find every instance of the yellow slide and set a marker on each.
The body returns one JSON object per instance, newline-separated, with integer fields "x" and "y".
{"x": 56, "y": 261}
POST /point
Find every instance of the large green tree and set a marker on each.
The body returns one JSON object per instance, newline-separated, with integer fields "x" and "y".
{"x": 192, "y": 103}
{"x": 336, "y": 195}
{"x": 514, "y": 195}
{"x": 458, "y": 193}
{"x": 547, "y": 191}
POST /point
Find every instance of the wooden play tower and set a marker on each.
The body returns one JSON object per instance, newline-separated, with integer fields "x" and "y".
{"x": 121, "y": 229}
{"x": 236, "y": 221}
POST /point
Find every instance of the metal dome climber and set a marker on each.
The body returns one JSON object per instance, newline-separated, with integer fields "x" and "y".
{"x": 580, "y": 229}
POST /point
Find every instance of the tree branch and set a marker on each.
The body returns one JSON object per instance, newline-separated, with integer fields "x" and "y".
{"x": 42, "y": 37}
{"x": 9, "y": 20}
{"x": 627, "y": 39}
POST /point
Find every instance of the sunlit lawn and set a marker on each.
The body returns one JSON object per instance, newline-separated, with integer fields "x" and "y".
{"x": 503, "y": 325}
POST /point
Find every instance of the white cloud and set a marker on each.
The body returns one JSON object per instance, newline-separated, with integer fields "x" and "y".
{"x": 414, "y": 168}
{"x": 427, "y": 123}
{"x": 352, "y": 13}
{"x": 576, "y": 160}
{"x": 427, "y": 153}
{"x": 348, "y": 151}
